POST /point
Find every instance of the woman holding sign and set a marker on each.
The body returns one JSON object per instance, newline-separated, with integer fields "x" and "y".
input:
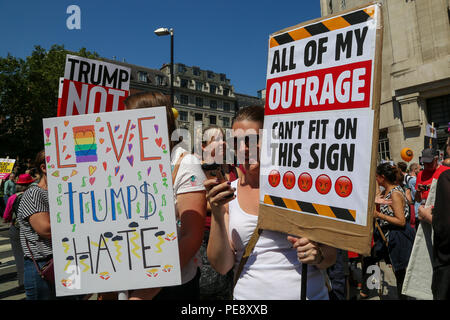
{"x": 190, "y": 207}
{"x": 273, "y": 270}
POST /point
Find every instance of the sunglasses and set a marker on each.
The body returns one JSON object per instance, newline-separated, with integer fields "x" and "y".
{"x": 247, "y": 139}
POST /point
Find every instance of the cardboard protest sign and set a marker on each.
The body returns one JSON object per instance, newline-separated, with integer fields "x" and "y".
{"x": 6, "y": 166}
{"x": 92, "y": 86}
{"x": 419, "y": 273}
{"x": 430, "y": 137}
{"x": 111, "y": 201}
{"x": 318, "y": 154}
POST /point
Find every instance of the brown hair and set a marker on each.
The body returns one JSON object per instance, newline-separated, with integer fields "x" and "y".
{"x": 40, "y": 159}
{"x": 153, "y": 99}
{"x": 390, "y": 172}
{"x": 250, "y": 113}
{"x": 402, "y": 166}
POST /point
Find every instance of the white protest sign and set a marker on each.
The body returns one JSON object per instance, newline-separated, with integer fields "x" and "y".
{"x": 93, "y": 86}
{"x": 319, "y": 163}
{"x": 111, "y": 201}
{"x": 317, "y": 150}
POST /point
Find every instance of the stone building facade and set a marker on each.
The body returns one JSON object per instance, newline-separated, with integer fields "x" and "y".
{"x": 201, "y": 96}
{"x": 415, "y": 72}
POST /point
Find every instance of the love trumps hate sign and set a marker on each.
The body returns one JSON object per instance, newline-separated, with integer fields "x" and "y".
{"x": 112, "y": 211}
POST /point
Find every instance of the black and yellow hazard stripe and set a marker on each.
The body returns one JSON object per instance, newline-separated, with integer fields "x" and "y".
{"x": 314, "y": 208}
{"x": 323, "y": 26}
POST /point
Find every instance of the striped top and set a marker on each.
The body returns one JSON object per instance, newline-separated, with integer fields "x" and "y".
{"x": 33, "y": 200}
{"x": 386, "y": 209}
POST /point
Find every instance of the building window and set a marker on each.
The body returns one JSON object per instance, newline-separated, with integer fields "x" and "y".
{"x": 212, "y": 119}
{"x": 223, "y": 77}
{"x": 383, "y": 146}
{"x": 438, "y": 114}
{"x": 159, "y": 80}
{"x": 210, "y": 75}
{"x": 213, "y": 104}
{"x": 199, "y": 86}
{"x": 226, "y": 121}
{"x": 226, "y": 106}
{"x": 142, "y": 76}
{"x": 196, "y": 71}
{"x": 198, "y": 117}
{"x": 181, "y": 68}
{"x": 184, "y": 83}
{"x": 199, "y": 102}
{"x": 212, "y": 89}
{"x": 184, "y": 99}
{"x": 183, "y": 115}
{"x": 226, "y": 92}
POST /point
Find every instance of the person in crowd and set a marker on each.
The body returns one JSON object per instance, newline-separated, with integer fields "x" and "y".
{"x": 338, "y": 275}
{"x": 425, "y": 213}
{"x": 273, "y": 270}
{"x": 446, "y": 161}
{"x": 214, "y": 148}
{"x": 2, "y": 201}
{"x": 22, "y": 184}
{"x": 413, "y": 170}
{"x": 213, "y": 285}
{"x": 395, "y": 239}
{"x": 10, "y": 187}
{"x": 190, "y": 207}
{"x": 440, "y": 284}
{"x": 425, "y": 177}
{"x": 405, "y": 184}
{"x": 35, "y": 234}
{"x": 367, "y": 261}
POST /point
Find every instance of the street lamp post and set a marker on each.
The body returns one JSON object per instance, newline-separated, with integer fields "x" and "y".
{"x": 165, "y": 32}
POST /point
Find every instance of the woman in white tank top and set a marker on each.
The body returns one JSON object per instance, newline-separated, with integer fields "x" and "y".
{"x": 273, "y": 270}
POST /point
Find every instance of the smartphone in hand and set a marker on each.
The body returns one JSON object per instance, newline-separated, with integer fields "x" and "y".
{"x": 214, "y": 171}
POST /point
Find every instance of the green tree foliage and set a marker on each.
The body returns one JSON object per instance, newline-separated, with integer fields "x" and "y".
{"x": 29, "y": 93}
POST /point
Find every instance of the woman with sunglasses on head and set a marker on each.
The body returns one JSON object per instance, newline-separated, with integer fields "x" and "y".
{"x": 213, "y": 285}
{"x": 273, "y": 270}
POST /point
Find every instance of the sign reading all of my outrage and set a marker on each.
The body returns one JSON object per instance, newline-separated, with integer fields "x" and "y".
{"x": 317, "y": 154}
{"x": 111, "y": 202}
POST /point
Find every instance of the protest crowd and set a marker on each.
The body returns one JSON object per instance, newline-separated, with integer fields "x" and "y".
{"x": 217, "y": 219}
{"x": 289, "y": 204}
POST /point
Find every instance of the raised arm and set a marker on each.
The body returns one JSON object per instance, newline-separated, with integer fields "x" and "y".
{"x": 192, "y": 210}
{"x": 220, "y": 251}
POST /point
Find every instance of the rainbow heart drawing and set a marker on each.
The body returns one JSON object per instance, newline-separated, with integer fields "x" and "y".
{"x": 85, "y": 144}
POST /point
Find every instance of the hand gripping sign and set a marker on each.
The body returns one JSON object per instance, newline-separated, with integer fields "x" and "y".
{"x": 318, "y": 154}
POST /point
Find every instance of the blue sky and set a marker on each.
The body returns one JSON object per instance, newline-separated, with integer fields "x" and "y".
{"x": 225, "y": 36}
